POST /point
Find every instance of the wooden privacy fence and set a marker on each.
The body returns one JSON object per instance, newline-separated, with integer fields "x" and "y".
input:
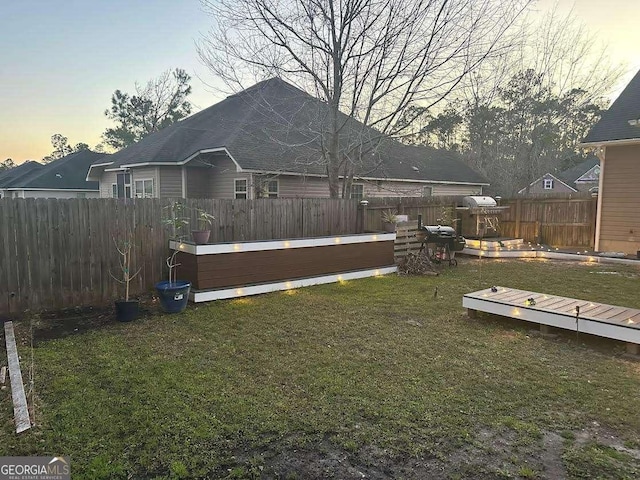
{"x": 567, "y": 221}
{"x": 560, "y": 222}
{"x": 57, "y": 254}
{"x": 431, "y": 209}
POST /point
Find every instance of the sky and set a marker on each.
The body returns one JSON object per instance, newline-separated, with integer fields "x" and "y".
{"x": 60, "y": 61}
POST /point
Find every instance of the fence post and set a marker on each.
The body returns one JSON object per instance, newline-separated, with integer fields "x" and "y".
{"x": 361, "y": 219}
{"x": 518, "y": 213}
{"x": 594, "y": 219}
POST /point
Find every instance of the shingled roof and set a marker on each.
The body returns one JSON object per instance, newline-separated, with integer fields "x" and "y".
{"x": 276, "y": 127}
{"x": 16, "y": 173}
{"x": 572, "y": 174}
{"x": 66, "y": 173}
{"x": 614, "y": 124}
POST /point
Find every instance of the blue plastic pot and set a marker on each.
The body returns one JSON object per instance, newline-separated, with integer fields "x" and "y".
{"x": 173, "y": 295}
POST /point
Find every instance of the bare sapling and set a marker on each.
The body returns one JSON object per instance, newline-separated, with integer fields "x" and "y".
{"x": 125, "y": 249}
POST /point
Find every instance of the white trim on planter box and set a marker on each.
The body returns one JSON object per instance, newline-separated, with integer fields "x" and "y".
{"x": 280, "y": 244}
{"x": 235, "y": 292}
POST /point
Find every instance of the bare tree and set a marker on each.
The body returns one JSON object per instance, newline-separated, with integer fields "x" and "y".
{"x": 366, "y": 59}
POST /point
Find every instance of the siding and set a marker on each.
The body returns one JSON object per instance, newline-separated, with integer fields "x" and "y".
{"x": 620, "y": 215}
{"x": 440, "y": 190}
{"x": 106, "y": 180}
{"x": 198, "y": 181}
{"x": 170, "y": 182}
{"x": 56, "y": 194}
{"x": 292, "y": 186}
{"x": 223, "y": 175}
{"x": 316, "y": 187}
{"x": 538, "y": 187}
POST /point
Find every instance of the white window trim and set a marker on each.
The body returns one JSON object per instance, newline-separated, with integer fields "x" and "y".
{"x": 116, "y": 190}
{"x": 269, "y": 192}
{"x": 430, "y": 187}
{"x": 149, "y": 179}
{"x": 246, "y": 191}
{"x": 358, "y": 184}
{"x": 547, "y": 181}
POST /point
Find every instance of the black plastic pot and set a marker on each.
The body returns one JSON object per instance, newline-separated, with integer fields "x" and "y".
{"x": 173, "y": 295}
{"x": 127, "y": 311}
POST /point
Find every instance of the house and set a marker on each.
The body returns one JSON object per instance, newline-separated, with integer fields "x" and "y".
{"x": 61, "y": 178}
{"x": 616, "y": 138}
{"x": 13, "y": 174}
{"x": 265, "y": 142}
{"x": 582, "y": 177}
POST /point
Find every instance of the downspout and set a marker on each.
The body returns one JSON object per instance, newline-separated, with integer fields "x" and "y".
{"x": 601, "y": 153}
{"x": 183, "y": 173}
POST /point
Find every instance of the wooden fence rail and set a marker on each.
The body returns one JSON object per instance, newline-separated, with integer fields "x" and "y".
{"x": 57, "y": 254}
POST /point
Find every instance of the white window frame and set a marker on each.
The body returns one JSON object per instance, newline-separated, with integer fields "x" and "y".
{"x": 358, "y": 197}
{"x": 114, "y": 190}
{"x": 430, "y": 190}
{"x": 547, "y": 184}
{"x": 267, "y": 193}
{"x": 237, "y": 192}
{"x": 144, "y": 195}
{"x": 125, "y": 186}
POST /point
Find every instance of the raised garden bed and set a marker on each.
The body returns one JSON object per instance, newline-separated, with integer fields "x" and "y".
{"x": 228, "y": 270}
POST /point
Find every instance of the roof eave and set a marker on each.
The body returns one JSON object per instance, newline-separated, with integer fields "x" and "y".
{"x": 606, "y": 143}
{"x": 385, "y": 179}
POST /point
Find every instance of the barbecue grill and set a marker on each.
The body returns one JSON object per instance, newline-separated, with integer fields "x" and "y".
{"x": 480, "y": 216}
{"x": 446, "y": 242}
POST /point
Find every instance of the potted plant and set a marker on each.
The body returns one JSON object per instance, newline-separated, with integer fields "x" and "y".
{"x": 173, "y": 293}
{"x": 201, "y": 236}
{"x": 127, "y": 309}
{"x": 389, "y": 220}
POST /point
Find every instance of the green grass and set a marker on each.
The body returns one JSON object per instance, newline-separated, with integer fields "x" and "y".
{"x": 377, "y": 371}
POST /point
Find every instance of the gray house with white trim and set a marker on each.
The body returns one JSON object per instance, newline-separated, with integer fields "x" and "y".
{"x": 266, "y": 142}
{"x": 582, "y": 177}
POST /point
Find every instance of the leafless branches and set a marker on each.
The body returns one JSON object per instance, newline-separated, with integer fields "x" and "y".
{"x": 367, "y": 59}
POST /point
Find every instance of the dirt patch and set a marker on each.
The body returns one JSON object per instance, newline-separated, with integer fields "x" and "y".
{"x": 492, "y": 454}
{"x": 60, "y": 324}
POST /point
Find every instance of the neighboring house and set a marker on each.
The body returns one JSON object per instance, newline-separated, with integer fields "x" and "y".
{"x": 582, "y": 177}
{"x": 61, "y": 178}
{"x": 265, "y": 142}
{"x": 617, "y": 140}
{"x": 13, "y": 174}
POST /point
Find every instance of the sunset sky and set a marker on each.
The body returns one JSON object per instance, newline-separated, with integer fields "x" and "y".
{"x": 61, "y": 61}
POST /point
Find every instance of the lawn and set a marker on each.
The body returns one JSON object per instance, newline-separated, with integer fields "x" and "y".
{"x": 373, "y": 378}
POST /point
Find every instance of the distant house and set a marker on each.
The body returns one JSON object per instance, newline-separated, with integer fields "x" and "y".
{"x": 15, "y": 174}
{"x": 582, "y": 177}
{"x": 616, "y": 138}
{"x": 266, "y": 142}
{"x": 62, "y": 178}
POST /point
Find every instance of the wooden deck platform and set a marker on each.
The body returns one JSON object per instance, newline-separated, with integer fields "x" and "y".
{"x": 610, "y": 321}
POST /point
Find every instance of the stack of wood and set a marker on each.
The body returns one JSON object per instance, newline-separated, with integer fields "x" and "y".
{"x": 416, "y": 264}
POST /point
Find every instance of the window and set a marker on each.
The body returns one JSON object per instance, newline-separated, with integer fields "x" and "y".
{"x": 240, "y": 188}
{"x": 547, "y": 184}
{"x": 268, "y": 189}
{"x": 357, "y": 191}
{"x": 427, "y": 191}
{"x": 143, "y": 188}
{"x": 81, "y": 195}
{"x": 122, "y": 187}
